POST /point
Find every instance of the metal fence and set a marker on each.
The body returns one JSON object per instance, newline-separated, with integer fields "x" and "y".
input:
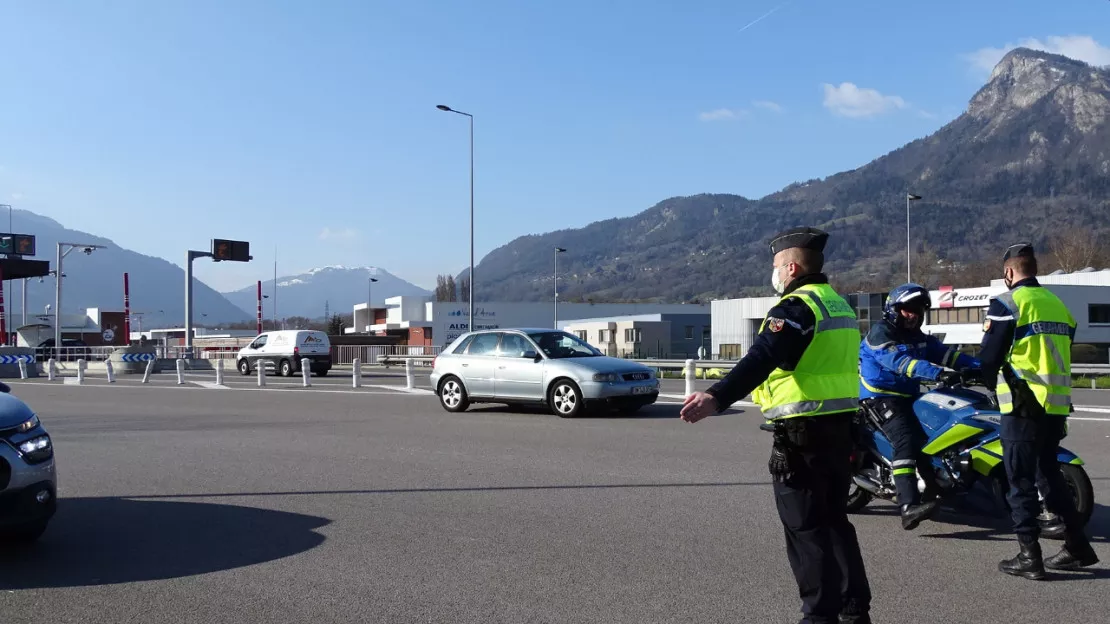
{"x": 368, "y": 354}
{"x": 72, "y": 354}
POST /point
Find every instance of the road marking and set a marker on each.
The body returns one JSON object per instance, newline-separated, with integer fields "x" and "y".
{"x": 1093, "y": 419}
{"x": 400, "y": 389}
{"x": 1092, "y": 409}
{"x": 211, "y": 385}
{"x": 71, "y": 381}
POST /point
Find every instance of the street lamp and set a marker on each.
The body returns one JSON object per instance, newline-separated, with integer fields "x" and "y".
{"x": 63, "y": 251}
{"x": 909, "y": 197}
{"x": 369, "y": 305}
{"x": 470, "y": 322}
{"x": 558, "y": 250}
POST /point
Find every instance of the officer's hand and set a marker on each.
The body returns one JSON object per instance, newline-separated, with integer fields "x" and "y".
{"x": 950, "y": 378}
{"x": 697, "y": 406}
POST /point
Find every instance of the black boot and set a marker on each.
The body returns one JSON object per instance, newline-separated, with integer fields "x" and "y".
{"x": 1074, "y": 555}
{"x": 1054, "y": 529}
{"x": 912, "y": 515}
{"x": 1027, "y": 563}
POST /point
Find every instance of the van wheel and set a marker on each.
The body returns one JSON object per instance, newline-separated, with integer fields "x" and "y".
{"x": 452, "y": 395}
{"x": 286, "y": 368}
{"x": 244, "y": 367}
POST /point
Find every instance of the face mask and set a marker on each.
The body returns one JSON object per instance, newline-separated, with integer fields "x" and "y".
{"x": 1007, "y": 280}
{"x": 778, "y": 284}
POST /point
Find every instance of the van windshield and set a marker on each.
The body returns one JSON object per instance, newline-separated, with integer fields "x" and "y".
{"x": 558, "y": 345}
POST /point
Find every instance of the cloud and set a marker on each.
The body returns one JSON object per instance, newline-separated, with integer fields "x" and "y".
{"x": 17, "y": 196}
{"x": 343, "y": 234}
{"x": 848, "y": 100}
{"x": 768, "y": 105}
{"x": 1080, "y": 47}
{"x": 723, "y": 114}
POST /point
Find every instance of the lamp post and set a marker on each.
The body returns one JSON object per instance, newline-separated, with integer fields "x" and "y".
{"x": 63, "y": 251}
{"x": 369, "y": 304}
{"x": 470, "y": 321}
{"x": 558, "y": 250}
{"x": 909, "y": 197}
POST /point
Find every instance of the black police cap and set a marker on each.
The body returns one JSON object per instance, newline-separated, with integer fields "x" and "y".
{"x": 1019, "y": 250}
{"x": 804, "y": 237}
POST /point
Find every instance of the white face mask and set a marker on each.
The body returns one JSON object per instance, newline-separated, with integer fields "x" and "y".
{"x": 778, "y": 284}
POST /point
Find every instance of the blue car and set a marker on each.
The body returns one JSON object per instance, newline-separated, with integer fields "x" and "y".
{"x": 28, "y": 479}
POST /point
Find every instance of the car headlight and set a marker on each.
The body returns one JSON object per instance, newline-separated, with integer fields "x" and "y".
{"x": 37, "y": 449}
{"x": 610, "y": 377}
{"x": 29, "y": 425}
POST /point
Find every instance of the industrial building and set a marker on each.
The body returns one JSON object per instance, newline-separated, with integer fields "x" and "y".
{"x": 658, "y": 335}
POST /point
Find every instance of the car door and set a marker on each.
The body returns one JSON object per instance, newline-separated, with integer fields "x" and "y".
{"x": 519, "y": 372}
{"x": 255, "y": 350}
{"x": 479, "y": 363}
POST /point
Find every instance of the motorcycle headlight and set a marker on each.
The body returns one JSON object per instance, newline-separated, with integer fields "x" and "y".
{"x": 29, "y": 425}
{"x": 610, "y": 377}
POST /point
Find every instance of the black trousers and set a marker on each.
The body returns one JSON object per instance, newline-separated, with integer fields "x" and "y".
{"x": 1030, "y": 438}
{"x": 821, "y": 543}
{"x": 906, "y": 435}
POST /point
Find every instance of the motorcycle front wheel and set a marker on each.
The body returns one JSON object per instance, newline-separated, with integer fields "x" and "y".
{"x": 1083, "y": 493}
{"x": 858, "y": 498}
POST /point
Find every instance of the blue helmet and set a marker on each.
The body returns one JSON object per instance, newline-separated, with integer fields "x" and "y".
{"x": 913, "y": 296}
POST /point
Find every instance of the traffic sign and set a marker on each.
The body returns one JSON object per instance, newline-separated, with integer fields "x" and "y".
{"x": 15, "y": 359}
{"x": 136, "y": 357}
{"x": 17, "y": 244}
{"x": 234, "y": 251}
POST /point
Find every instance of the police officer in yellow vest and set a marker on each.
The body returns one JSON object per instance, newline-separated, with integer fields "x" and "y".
{"x": 1026, "y": 351}
{"x": 803, "y": 368}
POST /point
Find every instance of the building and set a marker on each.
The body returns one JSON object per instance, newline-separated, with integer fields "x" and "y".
{"x": 736, "y": 322}
{"x": 645, "y": 335}
{"x": 94, "y": 328}
{"x": 424, "y": 321}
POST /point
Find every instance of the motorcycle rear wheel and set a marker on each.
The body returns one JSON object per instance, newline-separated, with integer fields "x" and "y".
{"x": 858, "y": 498}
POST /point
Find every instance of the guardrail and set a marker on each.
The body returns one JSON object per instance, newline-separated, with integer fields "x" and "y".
{"x": 347, "y": 354}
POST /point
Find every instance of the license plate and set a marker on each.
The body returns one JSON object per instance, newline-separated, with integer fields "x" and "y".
{"x": 643, "y": 389}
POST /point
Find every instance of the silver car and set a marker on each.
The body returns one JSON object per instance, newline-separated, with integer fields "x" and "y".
{"x": 542, "y": 366}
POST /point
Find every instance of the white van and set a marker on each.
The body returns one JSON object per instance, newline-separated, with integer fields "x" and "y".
{"x": 283, "y": 350}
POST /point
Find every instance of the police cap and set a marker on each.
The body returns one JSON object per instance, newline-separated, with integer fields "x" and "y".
{"x": 804, "y": 237}
{"x": 1019, "y": 250}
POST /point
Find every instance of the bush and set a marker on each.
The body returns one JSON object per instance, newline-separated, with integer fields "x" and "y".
{"x": 1102, "y": 383}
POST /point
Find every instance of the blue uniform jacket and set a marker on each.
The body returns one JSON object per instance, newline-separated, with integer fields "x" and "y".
{"x": 894, "y": 361}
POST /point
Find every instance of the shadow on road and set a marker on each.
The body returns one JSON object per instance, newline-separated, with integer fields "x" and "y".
{"x": 991, "y": 524}
{"x": 664, "y": 411}
{"x": 105, "y": 541}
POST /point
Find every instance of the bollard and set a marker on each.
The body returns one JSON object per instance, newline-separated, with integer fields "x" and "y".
{"x": 80, "y": 371}
{"x": 51, "y": 369}
{"x": 261, "y": 373}
{"x": 306, "y": 371}
{"x": 220, "y": 372}
{"x": 111, "y": 373}
{"x": 180, "y": 371}
{"x": 148, "y": 371}
{"x": 22, "y": 369}
{"x": 408, "y": 373}
{"x": 356, "y": 373}
{"x": 690, "y": 372}
{"x": 1093, "y": 383}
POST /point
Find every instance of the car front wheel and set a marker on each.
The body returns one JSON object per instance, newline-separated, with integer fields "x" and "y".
{"x": 452, "y": 395}
{"x": 565, "y": 399}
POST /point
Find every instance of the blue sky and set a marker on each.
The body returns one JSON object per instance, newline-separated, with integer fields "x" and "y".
{"x": 311, "y": 127}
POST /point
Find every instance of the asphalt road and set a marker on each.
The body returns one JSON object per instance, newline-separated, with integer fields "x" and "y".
{"x": 191, "y": 504}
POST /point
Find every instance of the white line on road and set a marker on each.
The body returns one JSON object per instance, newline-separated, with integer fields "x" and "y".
{"x": 211, "y": 385}
{"x": 400, "y": 389}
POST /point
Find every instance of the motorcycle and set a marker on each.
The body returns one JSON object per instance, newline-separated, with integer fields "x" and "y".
{"x": 963, "y": 431}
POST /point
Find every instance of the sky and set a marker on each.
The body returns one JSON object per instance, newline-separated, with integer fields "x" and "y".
{"x": 310, "y": 129}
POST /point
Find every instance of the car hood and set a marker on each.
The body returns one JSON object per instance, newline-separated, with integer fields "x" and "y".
{"x": 13, "y": 411}
{"x": 604, "y": 364}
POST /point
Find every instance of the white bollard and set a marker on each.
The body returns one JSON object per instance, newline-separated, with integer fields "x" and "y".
{"x": 690, "y": 372}
{"x": 51, "y": 369}
{"x": 22, "y": 369}
{"x": 220, "y": 372}
{"x": 148, "y": 371}
{"x": 306, "y": 371}
{"x": 356, "y": 373}
{"x": 80, "y": 371}
{"x": 111, "y": 373}
{"x": 1093, "y": 387}
{"x": 180, "y": 371}
{"x": 261, "y": 373}
{"x": 408, "y": 374}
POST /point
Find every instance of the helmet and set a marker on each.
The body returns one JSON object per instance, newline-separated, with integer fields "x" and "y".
{"x": 913, "y": 296}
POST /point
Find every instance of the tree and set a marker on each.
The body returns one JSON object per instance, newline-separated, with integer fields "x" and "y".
{"x": 1077, "y": 248}
{"x": 445, "y": 288}
{"x": 335, "y": 325}
{"x": 452, "y": 293}
{"x": 464, "y": 289}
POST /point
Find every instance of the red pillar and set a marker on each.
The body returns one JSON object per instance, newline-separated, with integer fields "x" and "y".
{"x": 260, "y": 306}
{"x": 126, "y": 311}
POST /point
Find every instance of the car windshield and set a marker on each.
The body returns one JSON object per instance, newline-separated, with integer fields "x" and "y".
{"x": 557, "y": 345}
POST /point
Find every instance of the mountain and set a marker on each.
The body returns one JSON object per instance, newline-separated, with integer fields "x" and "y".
{"x": 96, "y": 280}
{"x": 340, "y": 287}
{"x": 1028, "y": 159}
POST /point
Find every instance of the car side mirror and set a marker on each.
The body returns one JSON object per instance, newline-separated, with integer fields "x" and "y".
{"x": 531, "y": 355}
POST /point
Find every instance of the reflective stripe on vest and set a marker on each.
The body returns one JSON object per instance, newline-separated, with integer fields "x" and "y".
{"x": 825, "y": 380}
{"x": 1041, "y": 352}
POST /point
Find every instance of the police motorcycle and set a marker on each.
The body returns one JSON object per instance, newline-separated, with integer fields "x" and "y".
{"x": 963, "y": 431}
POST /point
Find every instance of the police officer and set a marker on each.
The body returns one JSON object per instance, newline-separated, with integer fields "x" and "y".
{"x": 1026, "y": 350}
{"x": 893, "y": 360}
{"x": 803, "y": 368}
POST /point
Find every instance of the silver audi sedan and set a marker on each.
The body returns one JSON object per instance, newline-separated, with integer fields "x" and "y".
{"x": 541, "y": 366}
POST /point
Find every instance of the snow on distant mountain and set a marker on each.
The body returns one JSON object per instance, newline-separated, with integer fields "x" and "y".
{"x": 340, "y": 287}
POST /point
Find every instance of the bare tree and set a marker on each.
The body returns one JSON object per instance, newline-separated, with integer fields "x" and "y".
{"x": 1077, "y": 248}
{"x": 452, "y": 291}
{"x": 464, "y": 289}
